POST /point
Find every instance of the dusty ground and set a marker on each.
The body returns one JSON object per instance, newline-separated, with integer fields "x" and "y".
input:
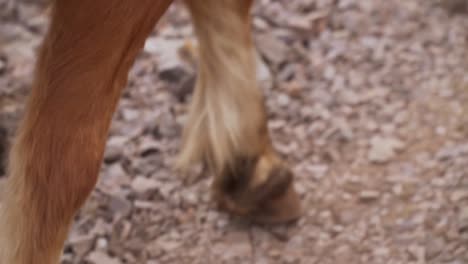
{"x": 368, "y": 101}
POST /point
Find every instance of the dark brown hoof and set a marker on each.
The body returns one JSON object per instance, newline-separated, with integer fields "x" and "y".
{"x": 271, "y": 200}
{"x": 283, "y": 209}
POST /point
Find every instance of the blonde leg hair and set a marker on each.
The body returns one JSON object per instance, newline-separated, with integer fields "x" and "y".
{"x": 227, "y": 126}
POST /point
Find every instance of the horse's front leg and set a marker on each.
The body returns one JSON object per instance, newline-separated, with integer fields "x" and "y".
{"x": 54, "y": 162}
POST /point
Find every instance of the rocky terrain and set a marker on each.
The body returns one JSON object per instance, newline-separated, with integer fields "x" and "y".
{"x": 367, "y": 100}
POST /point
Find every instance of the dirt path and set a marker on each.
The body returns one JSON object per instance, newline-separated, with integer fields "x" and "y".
{"x": 368, "y": 101}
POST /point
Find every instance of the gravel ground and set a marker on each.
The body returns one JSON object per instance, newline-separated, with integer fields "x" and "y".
{"x": 367, "y": 100}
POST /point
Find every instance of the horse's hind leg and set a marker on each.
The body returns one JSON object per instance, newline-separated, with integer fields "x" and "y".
{"x": 227, "y": 125}
{"x": 54, "y": 163}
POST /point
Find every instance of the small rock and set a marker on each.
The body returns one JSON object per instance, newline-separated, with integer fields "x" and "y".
{"x": 329, "y": 72}
{"x": 347, "y": 216}
{"x": 66, "y": 258}
{"x": 190, "y": 197}
{"x": 417, "y": 253}
{"x": 369, "y": 195}
{"x": 99, "y": 257}
{"x": 149, "y": 146}
{"x": 2, "y": 66}
{"x": 434, "y": 247}
{"x": 398, "y": 189}
{"x": 452, "y": 151}
{"x": 293, "y": 88}
{"x": 102, "y": 243}
{"x": 169, "y": 245}
{"x": 263, "y": 72}
{"x": 383, "y": 149}
{"x": 274, "y": 253}
{"x": 129, "y": 114}
{"x": 120, "y": 207}
{"x": 144, "y": 204}
{"x": 458, "y": 195}
{"x": 336, "y": 229}
{"x": 222, "y": 223}
{"x": 318, "y": 171}
{"x": 463, "y": 219}
{"x": 344, "y": 128}
{"x": 291, "y": 258}
{"x": 283, "y": 100}
{"x": 440, "y": 130}
{"x": 81, "y": 244}
{"x": 260, "y": 24}
{"x": 234, "y": 245}
{"x": 342, "y": 253}
{"x": 273, "y": 49}
{"x": 163, "y": 46}
{"x": 381, "y": 251}
{"x": 113, "y": 178}
{"x": 142, "y": 184}
{"x": 114, "y": 148}
{"x": 301, "y": 189}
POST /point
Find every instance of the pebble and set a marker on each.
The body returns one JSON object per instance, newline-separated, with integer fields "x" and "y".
{"x": 3, "y": 66}
{"x": 369, "y": 195}
{"x": 142, "y": 184}
{"x": 98, "y": 257}
{"x": 458, "y": 195}
{"x": 102, "y": 243}
{"x": 463, "y": 219}
{"x": 383, "y": 149}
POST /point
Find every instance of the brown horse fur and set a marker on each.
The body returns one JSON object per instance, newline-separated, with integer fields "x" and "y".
{"x": 81, "y": 70}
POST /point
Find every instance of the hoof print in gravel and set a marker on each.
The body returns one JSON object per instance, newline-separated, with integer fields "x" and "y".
{"x": 273, "y": 201}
